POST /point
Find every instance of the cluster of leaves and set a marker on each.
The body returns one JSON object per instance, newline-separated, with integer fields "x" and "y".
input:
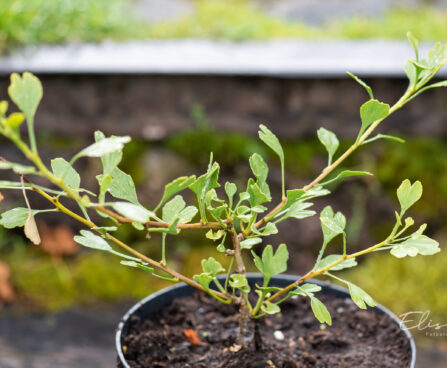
{"x": 240, "y": 214}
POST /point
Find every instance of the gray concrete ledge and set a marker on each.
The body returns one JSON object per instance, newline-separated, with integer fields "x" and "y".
{"x": 284, "y": 59}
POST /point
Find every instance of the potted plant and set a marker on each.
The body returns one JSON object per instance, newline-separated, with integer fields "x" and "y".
{"x": 237, "y": 319}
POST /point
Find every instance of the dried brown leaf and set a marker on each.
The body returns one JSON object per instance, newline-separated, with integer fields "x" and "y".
{"x": 193, "y": 337}
{"x": 31, "y": 231}
{"x": 6, "y": 290}
{"x": 58, "y": 240}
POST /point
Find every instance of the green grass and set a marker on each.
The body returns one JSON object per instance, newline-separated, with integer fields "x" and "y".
{"x": 238, "y": 20}
{"x": 89, "y": 278}
{"x": 29, "y": 22}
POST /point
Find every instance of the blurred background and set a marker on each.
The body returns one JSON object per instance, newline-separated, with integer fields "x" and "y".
{"x": 164, "y": 72}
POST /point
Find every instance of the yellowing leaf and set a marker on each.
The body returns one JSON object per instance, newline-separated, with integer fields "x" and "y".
{"x": 31, "y": 231}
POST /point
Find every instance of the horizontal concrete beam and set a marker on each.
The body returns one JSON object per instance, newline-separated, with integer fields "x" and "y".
{"x": 283, "y": 59}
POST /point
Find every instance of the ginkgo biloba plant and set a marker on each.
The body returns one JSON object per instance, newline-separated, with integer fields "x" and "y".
{"x": 235, "y": 218}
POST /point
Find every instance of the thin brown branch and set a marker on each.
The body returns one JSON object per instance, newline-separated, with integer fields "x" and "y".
{"x": 126, "y": 247}
{"x": 198, "y": 225}
{"x": 240, "y": 267}
{"x": 323, "y": 270}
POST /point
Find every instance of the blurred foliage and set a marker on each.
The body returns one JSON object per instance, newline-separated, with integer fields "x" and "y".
{"x": 30, "y": 22}
{"x": 83, "y": 279}
{"x": 239, "y": 20}
{"x": 425, "y": 22}
{"x": 227, "y": 148}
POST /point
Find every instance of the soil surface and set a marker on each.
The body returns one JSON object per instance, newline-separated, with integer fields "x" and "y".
{"x": 357, "y": 338}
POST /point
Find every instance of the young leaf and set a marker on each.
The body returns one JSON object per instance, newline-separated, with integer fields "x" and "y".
{"x": 259, "y": 167}
{"x": 272, "y": 264}
{"x": 257, "y": 195}
{"x": 418, "y": 232}
{"x": 16, "y": 217}
{"x": 14, "y": 120}
{"x": 138, "y": 225}
{"x": 295, "y": 195}
{"x": 187, "y": 214}
{"x": 372, "y": 111}
{"x": 150, "y": 270}
{"x": 221, "y": 247}
{"x": 326, "y": 261}
{"x": 230, "y": 190}
{"x": 270, "y": 308}
{"x": 212, "y": 267}
{"x": 134, "y": 212}
{"x": 360, "y": 297}
{"x": 272, "y": 141}
{"x": 239, "y": 281}
{"x": 363, "y": 84}
{"x": 203, "y": 279}
{"x": 26, "y": 92}
{"x": 123, "y": 187}
{"x": 314, "y": 192}
{"x": 63, "y": 170}
{"x": 412, "y": 73}
{"x": 414, "y": 43}
{"x": 250, "y": 242}
{"x": 331, "y": 224}
{"x": 258, "y": 209}
{"x": 172, "y": 209}
{"x": 435, "y": 56}
{"x": 268, "y": 229}
{"x": 90, "y": 240}
{"x": 174, "y": 187}
{"x": 421, "y": 244}
{"x": 109, "y": 160}
{"x": 306, "y": 289}
{"x": 408, "y": 194}
{"x": 298, "y": 210}
{"x": 105, "y": 181}
{"x": 346, "y": 174}
{"x": 267, "y": 289}
{"x": 103, "y": 147}
{"x": 3, "y": 107}
{"x": 384, "y": 136}
{"x": 203, "y": 184}
{"x": 214, "y": 235}
{"x": 219, "y": 213}
{"x": 320, "y": 311}
{"x": 147, "y": 269}
{"x": 330, "y": 141}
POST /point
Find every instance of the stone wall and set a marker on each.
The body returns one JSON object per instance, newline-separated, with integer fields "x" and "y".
{"x": 154, "y": 107}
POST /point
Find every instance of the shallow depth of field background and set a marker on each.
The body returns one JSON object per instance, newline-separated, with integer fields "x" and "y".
{"x": 59, "y": 276}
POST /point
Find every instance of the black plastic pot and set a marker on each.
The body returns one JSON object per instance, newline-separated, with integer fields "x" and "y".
{"x": 154, "y": 302}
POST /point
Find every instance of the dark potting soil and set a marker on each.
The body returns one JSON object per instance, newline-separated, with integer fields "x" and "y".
{"x": 357, "y": 338}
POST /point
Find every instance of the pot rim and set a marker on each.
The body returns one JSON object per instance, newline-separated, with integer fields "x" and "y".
{"x": 253, "y": 275}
